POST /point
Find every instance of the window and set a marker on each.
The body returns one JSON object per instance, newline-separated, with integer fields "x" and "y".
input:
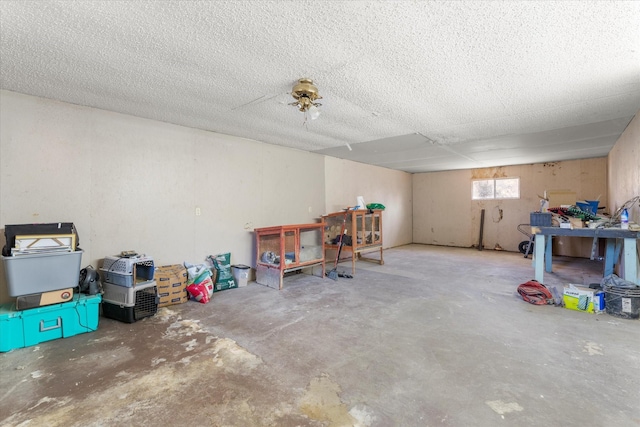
{"x": 499, "y": 188}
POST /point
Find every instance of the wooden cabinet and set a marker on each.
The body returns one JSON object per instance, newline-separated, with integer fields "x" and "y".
{"x": 363, "y": 228}
{"x": 286, "y": 248}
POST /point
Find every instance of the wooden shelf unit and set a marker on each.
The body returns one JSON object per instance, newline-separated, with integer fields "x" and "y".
{"x": 286, "y": 248}
{"x": 364, "y": 226}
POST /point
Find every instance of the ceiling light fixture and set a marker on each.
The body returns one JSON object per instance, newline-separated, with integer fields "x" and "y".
{"x": 306, "y": 93}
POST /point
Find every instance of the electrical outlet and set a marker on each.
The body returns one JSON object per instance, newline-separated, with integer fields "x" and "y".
{"x": 198, "y": 212}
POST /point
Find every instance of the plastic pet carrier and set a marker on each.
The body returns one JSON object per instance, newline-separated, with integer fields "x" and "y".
{"x": 130, "y": 304}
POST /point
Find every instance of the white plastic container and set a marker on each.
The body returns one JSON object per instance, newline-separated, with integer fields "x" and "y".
{"x": 241, "y": 274}
{"x": 624, "y": 219}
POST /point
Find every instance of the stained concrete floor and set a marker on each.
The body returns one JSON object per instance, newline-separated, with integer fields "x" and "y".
{"x": 435, "y": 337}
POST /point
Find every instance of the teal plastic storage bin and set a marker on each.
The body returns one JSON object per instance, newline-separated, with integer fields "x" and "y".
{"x": 11, "y": 328}
{"x": 30, "y": 327}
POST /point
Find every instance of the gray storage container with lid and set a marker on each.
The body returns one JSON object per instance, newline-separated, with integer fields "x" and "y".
{"x": 37, "y": 273}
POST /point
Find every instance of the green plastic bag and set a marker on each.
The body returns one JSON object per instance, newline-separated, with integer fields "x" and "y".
{"x": 375, "y": 206}
{"x": 224, "y": 279}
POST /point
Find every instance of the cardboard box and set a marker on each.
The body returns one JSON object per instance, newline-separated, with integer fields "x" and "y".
{"x": 172, "y": 284}
{"x": 576, "y": 222}
{"x": 559, "y": 198}
{"x": 583, "y": 299}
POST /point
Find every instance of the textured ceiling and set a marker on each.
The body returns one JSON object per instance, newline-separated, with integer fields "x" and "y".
{"x": 414, "y": 86}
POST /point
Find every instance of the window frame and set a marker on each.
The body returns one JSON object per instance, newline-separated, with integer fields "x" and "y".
{"x": 494, "y": 196}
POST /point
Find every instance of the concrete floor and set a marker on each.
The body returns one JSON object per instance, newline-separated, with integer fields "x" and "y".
{"x": 435, "y": 337}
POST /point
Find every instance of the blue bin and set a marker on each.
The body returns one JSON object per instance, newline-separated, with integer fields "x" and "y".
{"x": 590, "y": 206}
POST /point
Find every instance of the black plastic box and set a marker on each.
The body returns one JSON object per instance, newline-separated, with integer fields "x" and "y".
{"x": 541, "y": 219}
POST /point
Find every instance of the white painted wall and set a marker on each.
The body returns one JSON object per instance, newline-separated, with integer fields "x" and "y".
{"x": 346, "y": 180}
{"x": 132, "y": 183}
{"x": 444, "y": 214}
{"x": 624, "y": 169}
{"x": 624, "y": 172}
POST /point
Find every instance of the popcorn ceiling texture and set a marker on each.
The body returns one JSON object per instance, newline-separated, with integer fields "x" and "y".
{"x": 415, "y": 86}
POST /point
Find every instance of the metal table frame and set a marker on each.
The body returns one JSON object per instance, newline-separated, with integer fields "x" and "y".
{"x": 616, "y": 240}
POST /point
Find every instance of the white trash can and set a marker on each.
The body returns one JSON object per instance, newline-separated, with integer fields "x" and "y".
{"x": 241, "y": 274}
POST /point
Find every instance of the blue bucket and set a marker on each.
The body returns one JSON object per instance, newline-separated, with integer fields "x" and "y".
{"x": 590, "y": 206}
